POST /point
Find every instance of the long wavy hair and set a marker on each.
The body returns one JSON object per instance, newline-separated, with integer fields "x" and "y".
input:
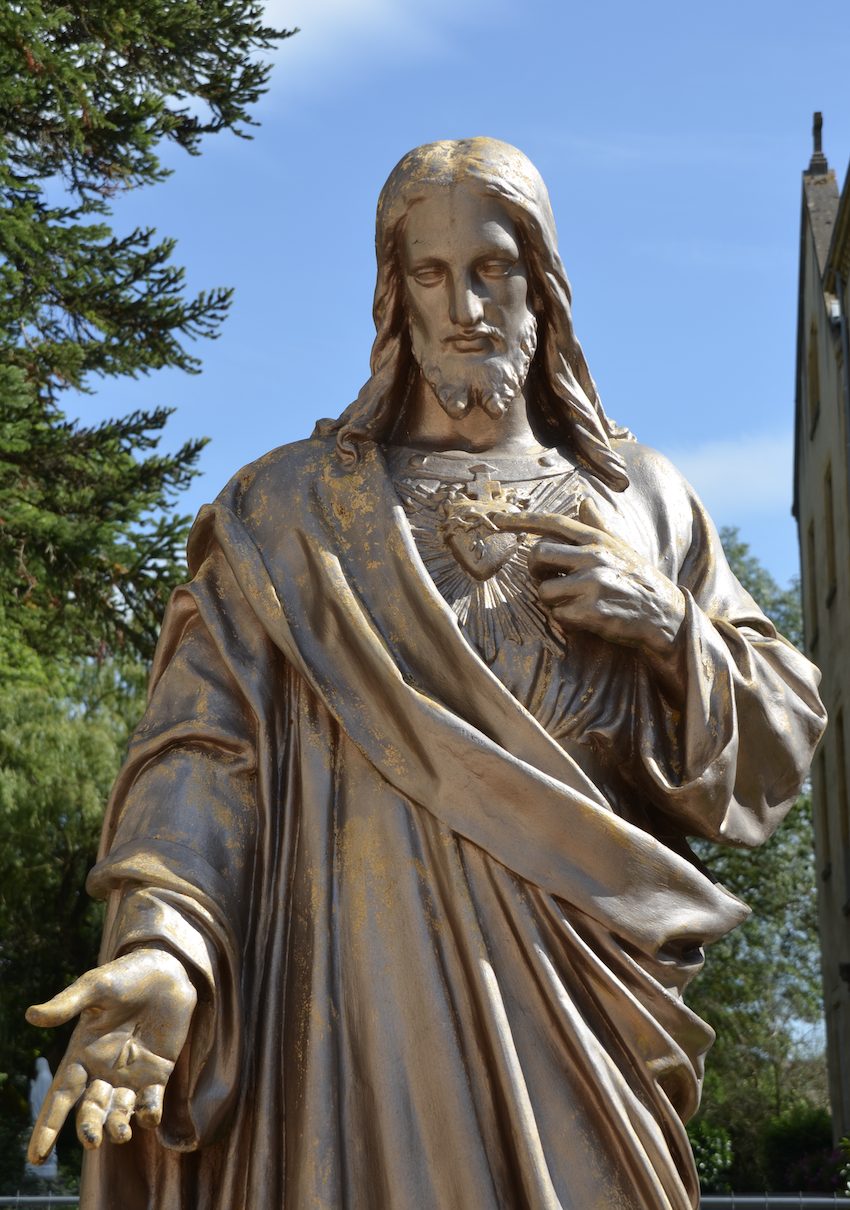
{"x": 563, "y": 400}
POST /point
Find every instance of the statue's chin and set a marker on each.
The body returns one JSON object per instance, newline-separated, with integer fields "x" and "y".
{"x": 454, "y": 407}
{"x": 458, "y": 404}
{"x": 495, "y": 407}
{"x": 491, "y": 383}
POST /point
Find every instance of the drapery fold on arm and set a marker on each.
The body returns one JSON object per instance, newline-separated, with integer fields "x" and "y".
{"x": 184, "y": 824}
{"x": 727, "y": 757}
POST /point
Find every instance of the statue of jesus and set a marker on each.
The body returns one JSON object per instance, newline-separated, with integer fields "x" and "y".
{"x": 401, "y": 907}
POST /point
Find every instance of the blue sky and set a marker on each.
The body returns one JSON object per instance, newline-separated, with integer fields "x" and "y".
{"x": 672, "y": 138}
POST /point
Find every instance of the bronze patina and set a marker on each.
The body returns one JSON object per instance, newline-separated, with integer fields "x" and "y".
{"x": 400, "y": 905}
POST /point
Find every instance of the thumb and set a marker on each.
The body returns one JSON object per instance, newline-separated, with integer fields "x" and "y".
{"x": 589, "y": 514}
{"x": 67, "y": 1004}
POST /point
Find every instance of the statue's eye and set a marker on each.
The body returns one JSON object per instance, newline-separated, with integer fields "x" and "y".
{"x": 428, "y": 275}
{"x": 495, "y": 268}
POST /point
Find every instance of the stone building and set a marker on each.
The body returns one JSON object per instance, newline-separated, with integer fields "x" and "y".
{"x": 822, "y": 510}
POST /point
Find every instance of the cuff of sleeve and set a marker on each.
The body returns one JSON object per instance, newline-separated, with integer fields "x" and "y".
{"x": 689, "y": 752}
{"x": 146, "y": 917}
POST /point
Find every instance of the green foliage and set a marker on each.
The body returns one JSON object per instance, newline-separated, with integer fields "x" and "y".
{"x": 89, "y": 91}
{"x": 797, "y": 1151}
{"x": 760, "y": 989}
{"x": 89, "y": 544}
{"x": 844, "y": 1151}
{"x": 91, "y": 87}
{"x": 59, "y": 754}
{"x": 782, "y": 605}
{"x": 712, "y": 1149}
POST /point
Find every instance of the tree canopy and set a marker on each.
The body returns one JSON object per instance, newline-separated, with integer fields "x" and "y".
{"x": 90, "y": 92}
{"x": 761, "y": 988}
{"x": 91, "y": 543}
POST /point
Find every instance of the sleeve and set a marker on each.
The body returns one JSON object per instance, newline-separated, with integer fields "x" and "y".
{"x": 725, "y": 738}
{"x": 185, "y": 826}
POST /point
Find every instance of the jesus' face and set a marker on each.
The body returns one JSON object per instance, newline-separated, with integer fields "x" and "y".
{"x": 472, "y": 330}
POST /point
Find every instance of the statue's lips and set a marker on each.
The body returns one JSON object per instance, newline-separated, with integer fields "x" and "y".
{"x": 469, "y": 344}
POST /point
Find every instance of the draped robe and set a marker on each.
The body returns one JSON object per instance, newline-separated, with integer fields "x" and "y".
{"x": 439, "y": 942}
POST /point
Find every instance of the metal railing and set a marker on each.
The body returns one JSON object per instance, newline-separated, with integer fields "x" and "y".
{"x": 40, "y": 1199}
{"x": 710, "y": 1201}
{"x": 773, "y": 1201}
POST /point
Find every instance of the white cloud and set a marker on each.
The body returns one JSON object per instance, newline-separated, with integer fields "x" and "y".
{"x": 740, "y": 476}
{"x": 339, "y": 37}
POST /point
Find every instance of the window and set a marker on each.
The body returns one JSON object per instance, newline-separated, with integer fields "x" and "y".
{"x": 813, "y": 380}
{"x": 843, "y": 815}
{"x": 829, "y": 535}
{"x": 810, "y": 575}
{"x": 839, "y": 1043}
{"x": 820, "y": 799}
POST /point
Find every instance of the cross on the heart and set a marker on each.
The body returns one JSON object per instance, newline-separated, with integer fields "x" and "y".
{"x": 479, "y": 547}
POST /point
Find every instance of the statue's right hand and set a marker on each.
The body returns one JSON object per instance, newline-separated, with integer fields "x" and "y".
{"x": 135, "y": 1015}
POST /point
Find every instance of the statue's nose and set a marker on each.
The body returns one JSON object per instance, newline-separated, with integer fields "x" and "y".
{"x": 465, "y": 306}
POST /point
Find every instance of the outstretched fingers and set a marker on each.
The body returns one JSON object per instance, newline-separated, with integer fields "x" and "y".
{"x": 68, "y": 1086}
{"x": 118, "y": 1119}
{"x": 149, "y": 1106}
{"x": 105, "y": 1109}
{"x": 92, "y": 1113}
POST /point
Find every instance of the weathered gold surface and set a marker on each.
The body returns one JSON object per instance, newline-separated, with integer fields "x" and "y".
{"x": 450, "y": 685}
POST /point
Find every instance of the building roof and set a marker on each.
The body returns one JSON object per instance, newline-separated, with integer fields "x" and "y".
{"x": 838, "y": 255}
{"x": 820, "y": 195}
{"x": 819, "y": 213}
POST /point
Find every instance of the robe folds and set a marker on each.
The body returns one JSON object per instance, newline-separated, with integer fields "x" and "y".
{"x": 439, "y": 937}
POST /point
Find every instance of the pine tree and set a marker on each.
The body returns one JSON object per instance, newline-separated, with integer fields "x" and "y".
{"x": 90, "y": 92}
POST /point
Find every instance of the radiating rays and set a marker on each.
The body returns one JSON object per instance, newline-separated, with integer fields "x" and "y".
{"x": 503, "y": 607}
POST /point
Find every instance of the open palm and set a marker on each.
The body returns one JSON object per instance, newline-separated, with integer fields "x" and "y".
{"x": 134, "y": 1018}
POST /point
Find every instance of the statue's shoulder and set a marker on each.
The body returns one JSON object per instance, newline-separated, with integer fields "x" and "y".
{"x": 651, "y": 473}
{"x": 283, "y": 475}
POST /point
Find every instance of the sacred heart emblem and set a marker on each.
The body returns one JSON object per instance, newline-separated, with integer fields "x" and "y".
{"x": 477, "y": 544}
{"x": 481, "y": 571}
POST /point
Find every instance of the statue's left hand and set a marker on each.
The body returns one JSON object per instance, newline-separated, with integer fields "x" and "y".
{"x": 589, "y": 579}
{"x": 134, "y": 1019}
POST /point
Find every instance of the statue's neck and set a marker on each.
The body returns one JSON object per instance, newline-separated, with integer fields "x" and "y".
{"x": 426, "y": 425}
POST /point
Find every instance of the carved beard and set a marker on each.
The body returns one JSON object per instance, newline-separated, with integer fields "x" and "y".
{"x": 492, "y": 384}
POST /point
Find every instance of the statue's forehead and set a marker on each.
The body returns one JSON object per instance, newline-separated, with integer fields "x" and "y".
{"x": 462, "y": 216}
{"x": 448, "y": 163}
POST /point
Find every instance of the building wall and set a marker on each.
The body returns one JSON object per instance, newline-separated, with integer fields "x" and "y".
{"x": 823, "y": 513}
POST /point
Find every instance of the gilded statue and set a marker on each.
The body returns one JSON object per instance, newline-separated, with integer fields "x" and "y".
{"x": 400, "y": 902}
